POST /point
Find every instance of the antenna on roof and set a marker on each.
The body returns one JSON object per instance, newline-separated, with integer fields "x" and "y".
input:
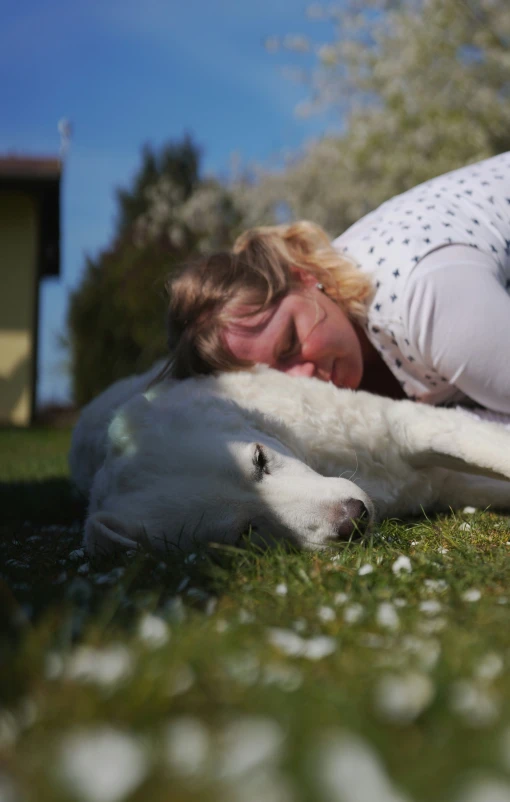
{"x": 65, "y": 130}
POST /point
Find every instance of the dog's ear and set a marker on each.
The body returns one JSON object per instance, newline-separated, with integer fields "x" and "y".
{"x": 106, "y": 533}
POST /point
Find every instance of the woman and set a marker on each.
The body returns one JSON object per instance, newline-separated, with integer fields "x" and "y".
{"x": 410, "y": 301}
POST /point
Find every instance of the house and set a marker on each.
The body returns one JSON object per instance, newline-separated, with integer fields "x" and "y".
{"x": 29, "y": 250}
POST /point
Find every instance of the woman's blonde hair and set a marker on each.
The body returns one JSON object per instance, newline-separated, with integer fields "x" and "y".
{"x": 261, "y": 268}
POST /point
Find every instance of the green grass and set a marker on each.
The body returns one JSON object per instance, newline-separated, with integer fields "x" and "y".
{"x": 404, "y": 700}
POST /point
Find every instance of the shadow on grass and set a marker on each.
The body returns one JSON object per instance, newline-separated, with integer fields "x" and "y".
{"x": 43, "y": 502}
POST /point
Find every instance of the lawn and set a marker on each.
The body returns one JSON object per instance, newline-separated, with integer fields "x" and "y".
{"x": 377, "y": 672}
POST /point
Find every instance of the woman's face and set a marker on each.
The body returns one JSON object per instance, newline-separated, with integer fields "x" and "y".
{"x": 304, "y": 334}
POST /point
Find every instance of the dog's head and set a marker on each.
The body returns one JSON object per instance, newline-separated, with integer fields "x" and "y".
{"x": 180, "y": 473}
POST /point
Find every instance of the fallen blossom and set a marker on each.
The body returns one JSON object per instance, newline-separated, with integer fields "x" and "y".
{"x": 474, "y": 703}
{"x": 464, "y": 527}
{"x": 430, "y": 607}
{"x": 101, "y": 765}
{"x": 489, "y": 667}
{"x": 353, "y": 613}
{"x": 365, "y": 569}
{"x": 341, "y": 598}
{"x": 106, "y": 666}
{"x": 249, "y": 743}
{"x": 402, "y": 565}
{"x": 402, "y": 697}
{"x": 281, "y": 589}
{"x": 349, "y": 769}
{"x": 153, "y": 631}
{"x": 435, "y": 585}
{"x": 187, "y": 745}
{"x": 471, "y": 595}
{"x": 293, "y": 645}
{"x": 469, "y": 510}
{"x": 326, "y": 614}
{"x": 387, "y": 616}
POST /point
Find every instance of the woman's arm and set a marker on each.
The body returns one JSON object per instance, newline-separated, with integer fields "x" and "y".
{"x": 459, "y": 321}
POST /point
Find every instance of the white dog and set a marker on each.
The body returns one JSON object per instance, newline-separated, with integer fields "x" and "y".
{"x": 213, "y": 458}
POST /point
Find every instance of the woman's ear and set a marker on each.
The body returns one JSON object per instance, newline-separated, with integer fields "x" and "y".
{"x": 304, "y": 277}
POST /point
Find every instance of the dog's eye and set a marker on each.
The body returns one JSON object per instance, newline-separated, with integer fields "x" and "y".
{"x": 260, "y": 461}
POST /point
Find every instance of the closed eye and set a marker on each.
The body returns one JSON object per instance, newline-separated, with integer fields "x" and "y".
{"x": 291, "y": 346}
{"x": 260, "y": 462}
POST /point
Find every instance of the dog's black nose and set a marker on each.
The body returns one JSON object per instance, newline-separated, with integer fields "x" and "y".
{"x": 354, "y": 521}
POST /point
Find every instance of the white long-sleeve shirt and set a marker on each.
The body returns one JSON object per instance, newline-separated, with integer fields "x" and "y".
{"x": 439, "y": 256}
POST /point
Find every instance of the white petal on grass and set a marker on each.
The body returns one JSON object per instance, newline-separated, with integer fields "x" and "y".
{"x": 387, "y": 616}
{"x": 348, "y": 769}
{"x": 281, "y": 589}
{"x": 288, "y": 642}
{"x": 443, "y": 550}
{"x": 102, "y": 765}
{"x": 486, "y": 789}
{"x": 319, "y": 647}
{"x": 430, "y": 607}
{"x": 402, "y": 565}
{"x": 340, "y": 598}
{"x": 326, "y": 614}
{"x": 474, "y": 703}
{"x": 435, "y": 585}
{"x": 400, "y": 602}
{"x": 469, "y": 510}
{"x": 353, "y": 613}
{"x": 293, "y": 645}
{"x": 471, "y": 595}
{"x": 464, "y": 527}
{"x": 106, "y": 666}
{"x": 248, "y": 743}
{"x": 365, "y": 569}
{"x": 489, "y": 667}
{"x": 402, "y": 697}
{"x": 187, "y": 746}
{"x": 153, "y": 631}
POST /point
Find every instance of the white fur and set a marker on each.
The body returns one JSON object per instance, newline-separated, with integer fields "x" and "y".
{"x": 175, "y": 464}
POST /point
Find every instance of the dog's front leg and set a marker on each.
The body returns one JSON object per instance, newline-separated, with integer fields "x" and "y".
{"x": 448, "y": 438}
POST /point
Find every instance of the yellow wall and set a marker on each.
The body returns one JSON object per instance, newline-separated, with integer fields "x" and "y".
{"x": 18, "y": 253}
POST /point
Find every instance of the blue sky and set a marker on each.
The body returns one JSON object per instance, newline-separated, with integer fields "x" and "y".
{"x": 126, "y": 72}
